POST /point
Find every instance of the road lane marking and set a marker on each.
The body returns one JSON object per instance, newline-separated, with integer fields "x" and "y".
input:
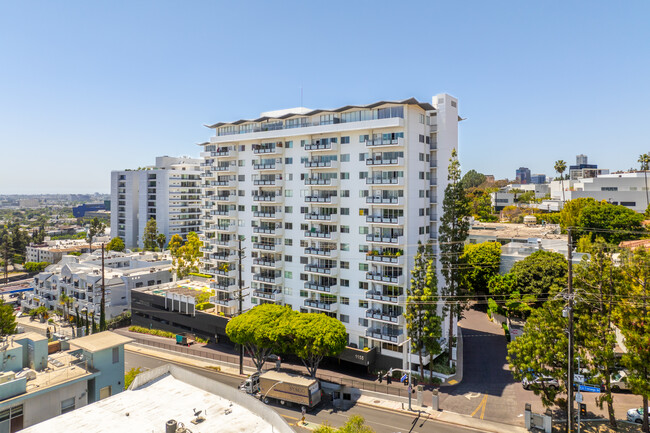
{"x": 452, "y": 382}
{"x": 471, "y": 395}
{"x": 480, "y": 405}
{"x": 290, "y": 417}
{"x": 484, "y": 406}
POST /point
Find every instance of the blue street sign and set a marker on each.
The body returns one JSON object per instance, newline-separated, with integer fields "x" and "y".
{"x": 403, "y": 378}
{"x": 589, "y": 388}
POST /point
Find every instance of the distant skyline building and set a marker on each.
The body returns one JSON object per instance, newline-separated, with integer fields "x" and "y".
{"x": 538, "y": 179}
{"x": 523, "y": 175}
{"x": 169, "y": 192}
{"x": 331, "y": 204}
{"x": 583, "y": 169}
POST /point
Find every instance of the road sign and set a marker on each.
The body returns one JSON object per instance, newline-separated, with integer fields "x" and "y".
{"x": 589, "y": 388}
{"x": 578, "y": 397}
{"x": 578, "y": 378}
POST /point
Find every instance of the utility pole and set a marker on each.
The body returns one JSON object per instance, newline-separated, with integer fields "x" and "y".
{"x": 570, "y": 426}
{"x": 102, "y": 307}
{"x": 240, "y": 252}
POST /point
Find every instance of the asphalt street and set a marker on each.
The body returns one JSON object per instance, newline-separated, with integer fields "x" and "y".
{"x": 382, "y": 421}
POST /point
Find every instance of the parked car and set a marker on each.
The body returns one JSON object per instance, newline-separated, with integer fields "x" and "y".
{"x": 540, "y": 382}
{"x": 635, "y": 415}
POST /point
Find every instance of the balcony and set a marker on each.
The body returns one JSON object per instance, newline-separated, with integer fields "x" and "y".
{"x": 268, "y": 279}
{"x": 376, "y": 162}
{"x": 314, "y": 147}
{"x": 225, "y": 152}
{"x": 225, "y": 273}
{"x": 381, "y": 278}
{"x": 321, "y": 164}
{"x": 267, "y": 150}
{"x": 268, "y": 182}
{"x": 320, "y": 288}
{"x": 322, "y": 306}
{"x": 223, "y": 286}
{"x": 220, "y": 257}
{"x": 386, "y": 335}
{"x": 323, "y": 270}
{"x": 223, "y": 183}
{"x": 268, "y": 198}
{"x": 316, "y": 182}
{"x": 231, "y": 198}
{"x": 228, "y": 213}
{"x": 310, "y": 251}
{"x": 385, "y": 239}
{"x": 393, "y": 260}
{"x": 322, "y": 235}
{"x": 231, "y": 228}
{"x": 388, "y": 181}
{"x": 384, "y": 317}
{"x": 268, "y": 166}
{"x": 267, "y": 247}
{"x": 266, "y": 263}
{"x": 321, "y": 200}
{"x": 321, "y": 217}
{"x": 274, "y": 296}
{"x": 224, "y": 302}
{"x": 276, "y": 231}
{"x": 268, "y": 215}
{"x": 380, "y": 297}
{"x": 224, "y": 168}
{"x": 231, "y": 243}
{"x": 370, "y": 219}
{"x": 399, "y": 201}
{"x": 385, "y": 143}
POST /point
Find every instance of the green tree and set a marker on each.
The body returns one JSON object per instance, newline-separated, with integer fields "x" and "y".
{"x": 96, "y": 228}
{"x": 481, "y": 205}
{"x": 560, "y": 167}
{"x": 540, "y": 274}
{"x": 481, "y": 263}
{"x": 614, "y": 223}
{"x": 314, "y": 336}
{"x": 598, "y": 281}
{"x": 7, "y": 319}
{"x": 634, "y": 323}
{"x": 454, "y": 227}
{"x": 6, "y": 247}
{"x": 150, "y": 235}
{"x": 516, "y": 192}
{"x": 356, "y": 424}
{"x": 527, "y": 197}
{"x": 115, "y": 244}
{"x": 571, "y": 211}
{"x": 472, "y": 179}
{"x": 174, "y": 244}
{"x": 542, "y": 351}
{"x": 161, "y": 239}
{"x": 423, "y": 324}
{"x": 644, "y": 160}
{"x": 130, "y": 375}
{"x": 35, "y": 266}
{"x": 261, "y": 330}
{"x": 186, "y": 258}
{"x": 514, "y": 303}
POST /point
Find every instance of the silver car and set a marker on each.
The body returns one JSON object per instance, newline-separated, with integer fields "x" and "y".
{"x": 635, "y": 415}
{"x": 540, "y": 382}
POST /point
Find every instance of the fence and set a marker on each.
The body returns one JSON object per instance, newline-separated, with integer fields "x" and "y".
{"x": 384, "y": 388}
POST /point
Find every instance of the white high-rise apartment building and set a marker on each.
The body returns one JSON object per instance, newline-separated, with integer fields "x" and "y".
{"x": 331, "y": 205}
{"x": 169, "y": 192}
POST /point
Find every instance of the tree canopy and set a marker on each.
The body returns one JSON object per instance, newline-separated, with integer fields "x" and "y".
{"x": 150, "y": 235}
{"x": 314, "y": 336}
{"x": 613, "y": 222}
{"x": 472, "y": 179}
{"x": 7, "y": 319}
{"x": 185, "y": 255}
{"x": 95, "y": 229}
{"x": 482, "y": 262}
{"x": 540, "y": 274}
{"x": 356, "y": 424}
{"x": 115, "y": 244}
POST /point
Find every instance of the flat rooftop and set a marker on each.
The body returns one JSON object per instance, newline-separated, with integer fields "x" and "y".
{"x": 149, "y": 407}
{"x": 516, "y": 231}
{"x": 100, "y": 341}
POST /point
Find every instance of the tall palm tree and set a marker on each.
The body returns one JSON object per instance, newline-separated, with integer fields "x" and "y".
{"x": 644, "y": 160}
{"x": 560, "y": 167}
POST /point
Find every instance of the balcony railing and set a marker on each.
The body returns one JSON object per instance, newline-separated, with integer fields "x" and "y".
{"x": 379, "y": 315}
{"x": 320, "y": 287}
{"x": 382, "y": 278}
{"x": 380, "y": 142}
{"x": 269, "y": 279}
{"x": 268, "y": 166}
{"x": 385, "y": 239}
{"x": 384, "y": 220}
{"x": 386, "y": 161}
{"x": 394, "y": 181}
{"x": 384, "y": 200}
{"x": 266, "y": 150}
{"x": 317, "y": 200}
{"x": 271, "y": 215}
{"x": 321, "y": 146}
{"x": 324, "y": 235}
{"x": 385, "y": 335}
{"x": 266, "y": 263}
{"x": 321, "y": 217}
{"x": 268, "y": 182}
{"x": 275, "y": 295}
{"x": 394, "y": 260}
{"x": 321, "y": 252}
{"x": 321, "y": 164}
{"x": 378, "y": 296}
{"x": 321, "y": 182}
{"x": 269, "y": 197}
{"x": 310, "y": 303}
{"x": 266, "y": 247}
{"x": 331, "y": 270}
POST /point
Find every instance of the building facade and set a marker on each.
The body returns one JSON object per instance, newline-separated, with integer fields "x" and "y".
{"x": 169, "y": 192}
{"x": 331, "y": 205}
{"x": 523, "y": 175}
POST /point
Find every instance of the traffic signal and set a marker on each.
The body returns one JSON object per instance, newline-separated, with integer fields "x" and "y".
{"x": 583, "y": 409}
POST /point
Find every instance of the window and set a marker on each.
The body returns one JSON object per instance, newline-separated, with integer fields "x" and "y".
{"x": 363, "y": 193}
{"x": 345, "y": 211}
{"x": 363, "y": 285}
{"x": 344, "y": 318}
{"x": 288, "y": 226}
{"x": 304, "y": 244}
{"x": 345, "y": 229}
{"x": 345, "y": 247}
{"x": 363, "y": 138}
{"x": 421, "y": 212}
{"x": 421, "y": 230}
{"x": 345, "y": 157}
{"x": 241, "y": 177}
{"x": 345, "y": 283}
{"x": 290, "y": 176}
{"x": 363, "y": 322}
{"x": 288, "y": 193}
{"x": 288, "y": 274}
{"x": 288, "y": 258}
{"x": 67, "y": 405}
{"x": 304, "y": 260}
{"x": 363, "y": 212}
{"x": 304, "y": 227}
{"x": 288, "y": 144}
{"x": 303, "y": 294}
{"x": 363, "y": 248}
{"x": 421, "y": 119}
{"x": 240, "y": 163}
{"x": 363, "y": 175}
{"x": 345, "y": 265}
{"x": 363, "y": 304}
{"x": 421, "y": 156}
{"x": 304, "y": 209}
{"x": 288, "y": 242}
{"x": 363, "y": 230}
{"x": 345, "y": 301}
{"x": 345, "y": 193}
{"x": 345, "y": 176}
{"x": 421, "y": 138}
{"x": 288, "y": 160}
{"x": 363, "y": 266}
{"x": 345, "y": 140}
{"x": 421, "y": 193}
{"x": 363, "y": 156}
{"x": 241, "y": 208}
{"x": 421, "y": 175}
{"x": 288, "y": 209}
{"x": 116, "y": 355}
{"x": 240, "y": 193}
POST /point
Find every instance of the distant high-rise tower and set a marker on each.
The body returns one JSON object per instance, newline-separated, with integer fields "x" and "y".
{"x": 523, "y": 175}
{"x": 581, "y": 159}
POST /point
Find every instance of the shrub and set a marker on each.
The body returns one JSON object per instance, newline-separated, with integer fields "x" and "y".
{"x": 196, "y": 274}
{"x": 157, "y": 332}
{"x": 204, "y": 306}
{"x": 201, "y": 340}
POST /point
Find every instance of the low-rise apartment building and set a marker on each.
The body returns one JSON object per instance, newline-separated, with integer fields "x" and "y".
{"x": 53, "y": 251}
{"x": 81, "y": 279}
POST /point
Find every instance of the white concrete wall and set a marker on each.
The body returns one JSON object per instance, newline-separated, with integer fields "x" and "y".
{"x": 48, "y": 405}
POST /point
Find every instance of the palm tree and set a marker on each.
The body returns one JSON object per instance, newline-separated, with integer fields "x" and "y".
{"x": 644, "y": 160}
{"x": 560, "y": 167}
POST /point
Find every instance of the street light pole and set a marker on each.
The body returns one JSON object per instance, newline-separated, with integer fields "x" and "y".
{"x": 408, "y": 363}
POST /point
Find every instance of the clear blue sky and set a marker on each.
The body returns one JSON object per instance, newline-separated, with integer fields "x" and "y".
{"x": 91, "y": 86}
